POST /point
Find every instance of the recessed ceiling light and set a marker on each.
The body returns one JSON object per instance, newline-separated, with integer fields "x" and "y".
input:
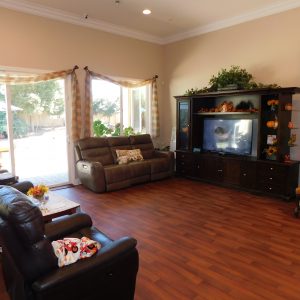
{"x": 146, "y": 11}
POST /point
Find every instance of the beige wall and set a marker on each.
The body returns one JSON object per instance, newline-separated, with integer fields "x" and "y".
{"x": 269, "y": 48}
{"x": 33, "y": 42}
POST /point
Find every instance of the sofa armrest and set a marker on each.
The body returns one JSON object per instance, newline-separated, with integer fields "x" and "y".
{"x": 168, "y": 155}
{"x": 94, "y": 269}
{"x": 61, "y": 227}
{"x": 91, "y": 175}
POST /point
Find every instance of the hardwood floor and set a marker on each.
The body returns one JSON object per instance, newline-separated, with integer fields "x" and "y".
{"x": 199, "y": 241}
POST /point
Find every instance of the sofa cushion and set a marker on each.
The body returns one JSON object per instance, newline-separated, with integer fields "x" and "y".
{"x": 116, "y": 173}
{"x": 140, "y": 168}
{"x": 143, "y": 142}
{"x": 96, "y": 149}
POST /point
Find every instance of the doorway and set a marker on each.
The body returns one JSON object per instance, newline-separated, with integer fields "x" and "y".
{"x": 34, "y": 133}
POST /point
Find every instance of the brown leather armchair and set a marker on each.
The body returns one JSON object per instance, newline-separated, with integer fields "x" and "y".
{"x": 30, "y": 265}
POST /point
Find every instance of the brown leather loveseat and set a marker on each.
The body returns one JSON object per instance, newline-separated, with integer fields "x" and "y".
{"x": 98, "y": 169}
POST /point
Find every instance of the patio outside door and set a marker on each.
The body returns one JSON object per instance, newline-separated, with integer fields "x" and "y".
{"x": 33, "y": 133}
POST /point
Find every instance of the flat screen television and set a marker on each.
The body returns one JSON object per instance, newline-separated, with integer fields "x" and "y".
{"x": 232, "y": 136}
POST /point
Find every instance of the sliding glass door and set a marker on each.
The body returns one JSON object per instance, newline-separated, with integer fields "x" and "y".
{"x": 34, "y": 134}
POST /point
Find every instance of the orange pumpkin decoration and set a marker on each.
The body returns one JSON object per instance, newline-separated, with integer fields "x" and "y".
{"x": 288, "y": 106}
{"x": 272, "y": 124}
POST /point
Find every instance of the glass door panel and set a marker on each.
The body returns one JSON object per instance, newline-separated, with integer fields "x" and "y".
{"x": 5, "y": 161}
{"x": 39, "y": 132}
{"x": 183, "y": 125}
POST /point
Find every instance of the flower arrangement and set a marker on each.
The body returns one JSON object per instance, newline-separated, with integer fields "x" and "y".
{"x": 38, "y": 191}
{"x": 271, "y": 152}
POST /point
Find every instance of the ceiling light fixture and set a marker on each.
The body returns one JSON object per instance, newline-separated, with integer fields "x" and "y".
{"x": 146, "y": 11}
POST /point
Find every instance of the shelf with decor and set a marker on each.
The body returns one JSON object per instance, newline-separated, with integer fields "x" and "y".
{"x": 224, "y": 113}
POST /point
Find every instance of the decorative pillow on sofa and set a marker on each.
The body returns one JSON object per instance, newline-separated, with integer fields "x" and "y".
{"x": 125, "y": 156}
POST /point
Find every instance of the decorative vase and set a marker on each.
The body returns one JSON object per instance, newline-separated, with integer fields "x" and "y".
{"x": 39, "y": 198}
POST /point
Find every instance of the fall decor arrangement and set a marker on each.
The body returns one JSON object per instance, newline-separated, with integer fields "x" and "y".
{"x": 234, "y": 78}
{"x": 292, "y": 140}
{"x": 38, "y": 191}
{"x": 272, "y": 124}
{"x": 229, "y": 107}
{"x": 271, "y": 152}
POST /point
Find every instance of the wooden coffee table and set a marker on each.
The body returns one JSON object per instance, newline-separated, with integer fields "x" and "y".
{"x": 58, "y": 206}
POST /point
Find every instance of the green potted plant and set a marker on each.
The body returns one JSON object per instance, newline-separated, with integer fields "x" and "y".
{"x": 234, "y": 78}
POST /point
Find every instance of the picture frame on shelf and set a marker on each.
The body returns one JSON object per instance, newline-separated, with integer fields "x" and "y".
{"x": 271, "y": 139}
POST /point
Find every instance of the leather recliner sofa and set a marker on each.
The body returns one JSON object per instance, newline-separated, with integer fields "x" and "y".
{"x": 98, "y": 169}
{"x": 30, "y": 266}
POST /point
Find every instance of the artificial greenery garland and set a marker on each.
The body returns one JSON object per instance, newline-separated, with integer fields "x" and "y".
{"x": 236, "y": 76}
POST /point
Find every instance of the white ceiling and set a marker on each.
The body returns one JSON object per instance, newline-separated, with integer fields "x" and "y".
{"x": 171, "y": 20}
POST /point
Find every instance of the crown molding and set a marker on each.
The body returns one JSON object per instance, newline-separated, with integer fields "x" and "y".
{"x": 60, "y": 15}
{"x": 260, "y": 13}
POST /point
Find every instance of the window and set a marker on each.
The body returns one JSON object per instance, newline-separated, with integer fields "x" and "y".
{"x": 120, "y": 111}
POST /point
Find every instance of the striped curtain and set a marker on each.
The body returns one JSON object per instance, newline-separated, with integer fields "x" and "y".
{"x": 90, "y": 75}
{"x": 76, "y": 102}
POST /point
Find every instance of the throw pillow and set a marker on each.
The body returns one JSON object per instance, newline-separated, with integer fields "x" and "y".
{"x": 123, "y": 160}
{"x": 131, "y": 155}
{"x": 69, "y": 250}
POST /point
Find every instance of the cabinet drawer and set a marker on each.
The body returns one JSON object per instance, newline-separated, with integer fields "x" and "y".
{"x": 265, "y": 171}
{"x": 271, "y": 188}
{"x": 183, "y": 156}
{"x": 273, "y": 179}
{"x": 184, "y": 164}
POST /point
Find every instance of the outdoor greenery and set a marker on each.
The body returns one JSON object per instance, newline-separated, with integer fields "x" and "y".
{"x": 40, "y": 97}
{"x": 100, "y": 129}
{"x": 235, "y": 76}
{"x": 105, "y": 107}
{"x": 31, "y": 100}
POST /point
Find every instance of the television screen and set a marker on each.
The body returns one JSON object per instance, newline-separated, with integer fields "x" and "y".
{"x": 228, "y": 135}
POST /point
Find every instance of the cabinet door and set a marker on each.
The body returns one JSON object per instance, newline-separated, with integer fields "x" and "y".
{"x": 231, "y": 170}
{"x": 183, "y": 125}
{"x": 199, "y": 168}
{"x": 248, "y": 174}
{"x": 213, "y": 167}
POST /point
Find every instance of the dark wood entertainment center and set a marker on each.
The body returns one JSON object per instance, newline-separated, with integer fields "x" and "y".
{"x": 258, "y": 172}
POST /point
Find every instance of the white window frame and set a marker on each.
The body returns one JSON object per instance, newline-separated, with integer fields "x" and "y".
{"x": 129, "y": 113}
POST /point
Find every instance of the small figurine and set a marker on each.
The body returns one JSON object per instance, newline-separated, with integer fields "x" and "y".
{"x": 292, "y": 140}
